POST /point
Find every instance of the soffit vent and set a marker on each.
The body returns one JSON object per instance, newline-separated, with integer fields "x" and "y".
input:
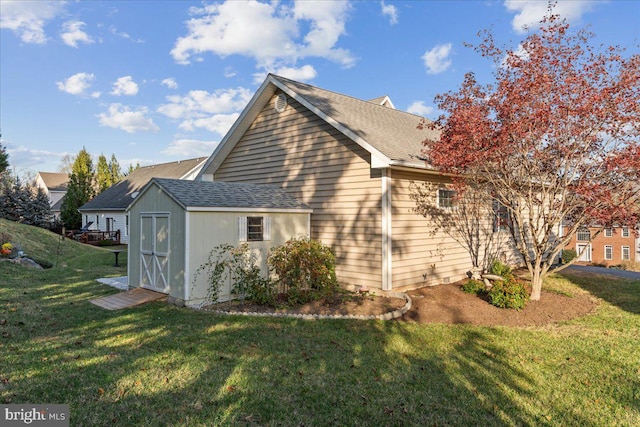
{"x": 281, "y": 102}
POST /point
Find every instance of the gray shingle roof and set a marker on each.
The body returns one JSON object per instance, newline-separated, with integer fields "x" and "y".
{"x": 393, "y": 132}
{"x": 205, "y": 194}
{"x": 55, "y": 181}
{"x": 118, "y": 196}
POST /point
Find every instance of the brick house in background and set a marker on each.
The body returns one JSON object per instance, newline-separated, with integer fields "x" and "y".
{"x": 613, "y": 246}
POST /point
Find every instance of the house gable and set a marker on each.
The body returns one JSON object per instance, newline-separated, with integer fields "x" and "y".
{"x": 320, "y": 166}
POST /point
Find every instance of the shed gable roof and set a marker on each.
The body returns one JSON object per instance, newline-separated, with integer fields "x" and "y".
{"x": 391, "y": 136}
{"x": 119, "y": 196}
{"x": 205, "y": 194}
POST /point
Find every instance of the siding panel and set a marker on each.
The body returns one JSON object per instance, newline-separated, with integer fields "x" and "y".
{"x": 303, "y": 154}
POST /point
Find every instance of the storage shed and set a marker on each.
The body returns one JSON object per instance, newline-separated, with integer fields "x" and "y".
{"x": 175, "y": 224}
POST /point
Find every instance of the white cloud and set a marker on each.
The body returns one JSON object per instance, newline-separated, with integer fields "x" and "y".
{"x": 437, "y": 59}
{"x": 124, "y": 86}
{"x": 76, "y": 84}
{"x": 170, "y": 82}
{"x": 271, "y": 33}
{"x": 123, "y": 35}
{"x": 530, "y": 12}
{"x": 72, "y": 34}
{"x": 200, "y": 109}
{"x": 190, "y": 148}
{"x": 218, "y": 123}
{"x": 390, "y": 11}
{"x": 418, "y": 107}
{"x": 22, "y": 158}
{"x": 28, "y": 18}
{"x": 122, "y": 117}
{"x": 302, "y": 74}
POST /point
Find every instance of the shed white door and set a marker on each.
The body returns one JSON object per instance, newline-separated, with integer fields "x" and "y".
{"x": 154, "y": 252}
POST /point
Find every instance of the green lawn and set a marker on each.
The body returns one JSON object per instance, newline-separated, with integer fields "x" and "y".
{"x": 160, "y": 365}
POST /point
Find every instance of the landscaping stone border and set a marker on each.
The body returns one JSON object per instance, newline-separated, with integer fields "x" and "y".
{"x": 306, "y": 316}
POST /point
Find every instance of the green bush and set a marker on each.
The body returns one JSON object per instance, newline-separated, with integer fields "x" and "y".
{"x": 105, "y": 242}
{"x": 472, "y": 286}
{"x": 508, "y": 294}
{"x": 568, "y": 255}
{"x": 500, "y": 269}
{"x": 305, "y": 269}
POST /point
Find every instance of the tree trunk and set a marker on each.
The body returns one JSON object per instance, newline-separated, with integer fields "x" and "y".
{"x": 536, "y": 282}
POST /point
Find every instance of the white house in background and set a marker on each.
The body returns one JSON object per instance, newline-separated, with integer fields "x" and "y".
{"x": 55, "y": 186}
{"x": 107, "y": 211}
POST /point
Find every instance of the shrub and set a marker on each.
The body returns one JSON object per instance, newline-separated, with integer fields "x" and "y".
{"x": 508, "y": 294}
{"x": 472, "y": 286}
{"x": 305, "y": 269}
{"x": 105, "y": 242}
{"x": 226, "y": 262}
{"x": 568, "y": 255}
{"x": 500, "y": 269}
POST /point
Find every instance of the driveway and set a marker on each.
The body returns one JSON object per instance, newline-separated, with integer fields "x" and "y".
{"x": 601, "y": 270}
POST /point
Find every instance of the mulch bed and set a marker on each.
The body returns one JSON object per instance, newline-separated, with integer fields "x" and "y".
{"x": 439, "y": 304}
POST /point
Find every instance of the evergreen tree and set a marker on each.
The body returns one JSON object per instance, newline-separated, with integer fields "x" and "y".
{"x": 103, "y": 175}
{"x": 4, "y": 160}
{"x": 80, "y": 190}
{"x": 114, "y": 170}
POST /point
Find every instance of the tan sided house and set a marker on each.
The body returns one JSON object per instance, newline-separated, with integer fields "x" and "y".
{"x": 352, "y": 162}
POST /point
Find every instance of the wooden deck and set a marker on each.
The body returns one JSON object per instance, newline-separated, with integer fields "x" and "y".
{"x": 127, "y": 299}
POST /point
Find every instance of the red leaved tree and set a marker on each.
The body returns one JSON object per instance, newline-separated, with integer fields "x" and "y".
{"x": 555, "y": 138}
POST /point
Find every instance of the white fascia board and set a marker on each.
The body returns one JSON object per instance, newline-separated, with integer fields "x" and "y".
{"x": 254, "y": 210}
{"x": 377, "y": 157}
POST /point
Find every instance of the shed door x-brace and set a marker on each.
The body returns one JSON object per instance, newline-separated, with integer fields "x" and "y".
{"x": 154, "y": 251}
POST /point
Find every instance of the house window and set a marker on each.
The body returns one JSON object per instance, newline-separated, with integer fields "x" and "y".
{"x": 446, "y": 198}
{"x": 626, "y": 253}
{"x": 608, "y": 252}
{"x": 625, "y": 231}
{"x": 254, "y": 228}
{"x": 501, "y": 217}
{"x": 584, "y": 235}
{"x": 126, "y": 225}
{"x": 608, "y": 232}
{"x": 97, "y": 222}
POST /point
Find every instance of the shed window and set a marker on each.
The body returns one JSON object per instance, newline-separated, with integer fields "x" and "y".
{"x": 254, "y": 228}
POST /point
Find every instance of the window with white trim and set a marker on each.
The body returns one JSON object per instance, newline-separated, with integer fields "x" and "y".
{"x": 626, "y": 253}
{"x": 608, "y": 252}
{"x": 608, "y": 232}
{"x": 583, "y": 235}
{"x": 446, "y": 198}
{"x": 501, "y": 218}
{"x": 625, "y": 231}
{"x": 254, "y": 228}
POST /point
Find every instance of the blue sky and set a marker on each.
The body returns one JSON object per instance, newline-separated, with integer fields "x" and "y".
{"x": 157, "y": 81}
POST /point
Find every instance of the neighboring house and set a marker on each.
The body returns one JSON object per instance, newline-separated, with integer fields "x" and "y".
{"x": 613, "y": 246}
{"x": 352, "y": 162}
{"x": 175, "y": 224}
{"x": 106, "y": 212}
{"x": 55, "y": 186}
